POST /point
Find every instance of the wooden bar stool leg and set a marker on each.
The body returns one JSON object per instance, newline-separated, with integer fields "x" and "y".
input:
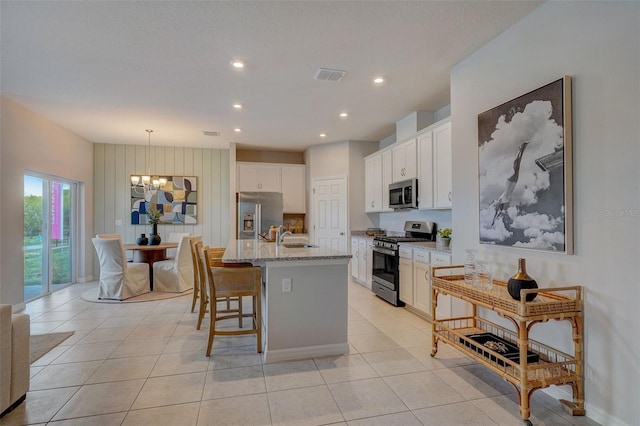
{"x": 212, "y": 326}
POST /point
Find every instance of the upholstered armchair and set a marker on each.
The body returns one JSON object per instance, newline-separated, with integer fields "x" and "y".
{"x": 175, "y": 275}
{"x": 14, "y": 358}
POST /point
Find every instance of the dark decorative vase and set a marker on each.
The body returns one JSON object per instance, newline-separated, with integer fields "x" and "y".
{"x": 155, "y": 238}
{"x": 521, "y": 280}
{"x": 142, "y": 240}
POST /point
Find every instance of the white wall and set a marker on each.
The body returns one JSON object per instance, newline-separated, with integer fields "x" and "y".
{"x": 358, "y": 219}
{"x": 598, "y": 43}
{"x": 29, "y": 141}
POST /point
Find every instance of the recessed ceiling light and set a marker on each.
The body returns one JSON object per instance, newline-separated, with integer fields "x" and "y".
{"x": 237, "y": 130}
{"x": 378, "y": 80}
{"x": 237, "y": 106}
{"x": 344, "y": 115}
{"x": 237, "y": 63}
{"x": 323, "y": 135}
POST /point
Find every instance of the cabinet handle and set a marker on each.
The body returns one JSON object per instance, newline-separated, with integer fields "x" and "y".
{"x": 450, "y": 196}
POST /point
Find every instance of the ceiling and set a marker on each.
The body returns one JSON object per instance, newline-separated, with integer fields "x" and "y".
{"x": 108, "y": 70}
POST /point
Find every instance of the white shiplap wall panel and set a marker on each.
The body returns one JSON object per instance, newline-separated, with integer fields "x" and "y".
{"x": 113, "y": 166}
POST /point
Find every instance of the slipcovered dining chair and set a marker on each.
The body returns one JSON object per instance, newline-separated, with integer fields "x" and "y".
{"x": 175, "y": 237}
{"x": 128, "y": 253}
{"x": 234, "y": 282}
{"x": 175, "y": 275}
{"x": 119, "y": 279}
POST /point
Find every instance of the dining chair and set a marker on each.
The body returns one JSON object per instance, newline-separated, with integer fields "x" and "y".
{"x": 175, "y": 275}
{"x": 234, "y": 282}
{"x": 128, "y": 253}
{"x": 193, "y": 240}
{"x": 175, "y": 237}
{"x": 119, "y": 279}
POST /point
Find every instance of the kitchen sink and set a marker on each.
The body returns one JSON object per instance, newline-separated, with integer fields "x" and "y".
{"x": 298, "y": 245}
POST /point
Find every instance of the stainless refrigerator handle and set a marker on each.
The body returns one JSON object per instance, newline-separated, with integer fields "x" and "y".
{"x": 258, "y": 221}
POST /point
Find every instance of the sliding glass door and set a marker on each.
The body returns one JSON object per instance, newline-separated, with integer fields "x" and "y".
{"x": 48, "y": 234}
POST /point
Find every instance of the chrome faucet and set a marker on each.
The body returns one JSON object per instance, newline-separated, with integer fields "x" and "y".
{"x": 280, "y": 235}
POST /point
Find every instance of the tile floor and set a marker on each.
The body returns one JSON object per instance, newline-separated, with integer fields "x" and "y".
{"x": 145, "y": 364}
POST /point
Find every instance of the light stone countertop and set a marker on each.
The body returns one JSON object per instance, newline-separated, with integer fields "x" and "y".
{"x": 261, "y": 251}
{"x": 429, "y": 245}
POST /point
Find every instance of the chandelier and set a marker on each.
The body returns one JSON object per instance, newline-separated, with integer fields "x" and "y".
{"x": 150, "y": 184}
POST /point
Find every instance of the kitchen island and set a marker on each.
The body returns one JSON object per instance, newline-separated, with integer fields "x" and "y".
{"x": 304, "y": 297}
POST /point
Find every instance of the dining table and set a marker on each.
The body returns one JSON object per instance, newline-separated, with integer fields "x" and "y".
{"x": 149, "y": 254}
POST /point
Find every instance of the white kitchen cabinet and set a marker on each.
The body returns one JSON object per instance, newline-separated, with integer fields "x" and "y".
{"x": 444, "y": 309}
{"x": 362, "y": 262}
{"x": 405, "y": 160}
{"x": 369, "y": 274}
{"x": 354, "y": 258}
{"x": 422, "y": 281}
{"x": 425, "y": 171}
{"x": 442, "y": 168}
{"x": 258, "y": 177}
{"x": 387, "y": 178}
{"x": 373, "y": 183}
{"x": 294, "y": 188}
{"x": 405, "y": 271}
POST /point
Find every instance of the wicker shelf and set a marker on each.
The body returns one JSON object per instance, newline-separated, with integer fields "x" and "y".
{"x": 552, "y": 366}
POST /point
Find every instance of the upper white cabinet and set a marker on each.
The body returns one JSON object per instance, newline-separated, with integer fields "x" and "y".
{"x": 373, "y": 183}
{"x": 289, "y": 179}
{"x": 425, "y": 171}
{"x": 294, "y": 188}
{"x": 252, "y": 177}
{"x": 405, "y": 161}
{"x": 442, "y": 173}
{"x": 387, "y": 178}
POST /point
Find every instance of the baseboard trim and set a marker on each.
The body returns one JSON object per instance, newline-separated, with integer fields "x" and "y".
{"x": 304, "y": 352}
{"x": 18, "y": 307}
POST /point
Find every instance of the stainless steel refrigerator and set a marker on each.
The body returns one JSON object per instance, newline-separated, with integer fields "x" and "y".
{"x": 257, "y": 212}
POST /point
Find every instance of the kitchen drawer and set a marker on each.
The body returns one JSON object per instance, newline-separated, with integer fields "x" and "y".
{"x": 405, "y": 252}
{"x": 438, "y": 259}
{"x": 422, "y": 256}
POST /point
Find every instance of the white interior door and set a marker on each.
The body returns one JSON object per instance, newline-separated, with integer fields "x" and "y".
{"x": 330, "y": 212}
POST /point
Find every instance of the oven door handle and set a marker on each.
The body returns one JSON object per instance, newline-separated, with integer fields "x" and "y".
{"x": 384, "y": 251}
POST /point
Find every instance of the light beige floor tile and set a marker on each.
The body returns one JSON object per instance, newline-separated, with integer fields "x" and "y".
{"x": 113, "y": 370}
{"x": 155, "y": 319}
{"x": 35, "y": 369}
{"x": 187, "y": 343}
{"x": 101, "y": 398}
{"x": 63, "y": 375}
{"x": 474, "y": 381}
{"x": 167, "y": 390}
{"x": 458, "y": 414}
{"x": 361, "y": 327}
{"x": 113, "y": 419}
{"x": 80, "y": 324}
{"x": 365, "y": 398}
{"x": 388, "y": 363}
{"x": 446, "y": 357}
{"x": 232, "y": 341}
{"x": 398, "y": 419}
{"x": 45, "y": 327}
{"x": 243, "y": 356}
{"x": 170, "y": 415}
{"x": 234, "y": 382}
{"x": 145, "y": 332}
{"x": 238, "y": 410}
{"x": 88, "y": 352}
{"x": 54, "y": 316}
{"x": 121, "y": 320}
{"x": 50, "y": 356}
{"x": 344, "y": 368}
{"x": 541, "y": 399}
{"x": 292, "y": 374}
{"x": 372, "y": 342}
{"x": 411, "y": 338}
{"x": 106, "y": 335}
{"x": 130, "y": 348}
{"x": 421, "y": 390}
{"x": 306, "y": 406}
{"x": 40, "y": 406}
{"x": 504, "y": 410}
{"x": 180, "y": 363}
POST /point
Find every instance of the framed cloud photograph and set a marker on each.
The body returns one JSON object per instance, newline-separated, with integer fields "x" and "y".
{"x": 525, "y": 171}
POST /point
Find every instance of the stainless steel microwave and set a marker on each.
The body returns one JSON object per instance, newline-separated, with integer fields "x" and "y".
{"x": 404, "y": 195}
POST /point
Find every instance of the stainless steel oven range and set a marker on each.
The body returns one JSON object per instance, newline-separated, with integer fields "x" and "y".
{"x": 386, "y": 259}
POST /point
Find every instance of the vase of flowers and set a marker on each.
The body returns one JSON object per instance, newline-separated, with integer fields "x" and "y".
{"x": 154, "y": 218}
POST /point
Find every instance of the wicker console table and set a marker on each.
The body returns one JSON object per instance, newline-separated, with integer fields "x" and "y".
{"x": 552, "y": 366}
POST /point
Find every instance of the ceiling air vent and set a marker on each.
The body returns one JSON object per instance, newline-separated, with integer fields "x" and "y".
{"x": 211, "y": 133}
{"x": 329, "y": 74}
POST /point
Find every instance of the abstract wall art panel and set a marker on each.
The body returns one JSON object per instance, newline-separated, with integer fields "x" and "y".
{"x": 177, "y": 201}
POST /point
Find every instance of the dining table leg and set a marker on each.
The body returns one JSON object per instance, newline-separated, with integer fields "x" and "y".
{"x": 149, "y": 257}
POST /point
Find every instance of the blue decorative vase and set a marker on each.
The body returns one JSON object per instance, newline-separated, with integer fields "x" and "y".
{"x": 142, "y": 240}
{"x": 155, "y": 238}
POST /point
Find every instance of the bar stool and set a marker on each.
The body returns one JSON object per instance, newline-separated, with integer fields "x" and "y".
{"x": 234, "y": 282}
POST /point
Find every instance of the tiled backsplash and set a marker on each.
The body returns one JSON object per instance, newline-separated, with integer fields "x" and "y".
{"x": 394, "y": 221}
